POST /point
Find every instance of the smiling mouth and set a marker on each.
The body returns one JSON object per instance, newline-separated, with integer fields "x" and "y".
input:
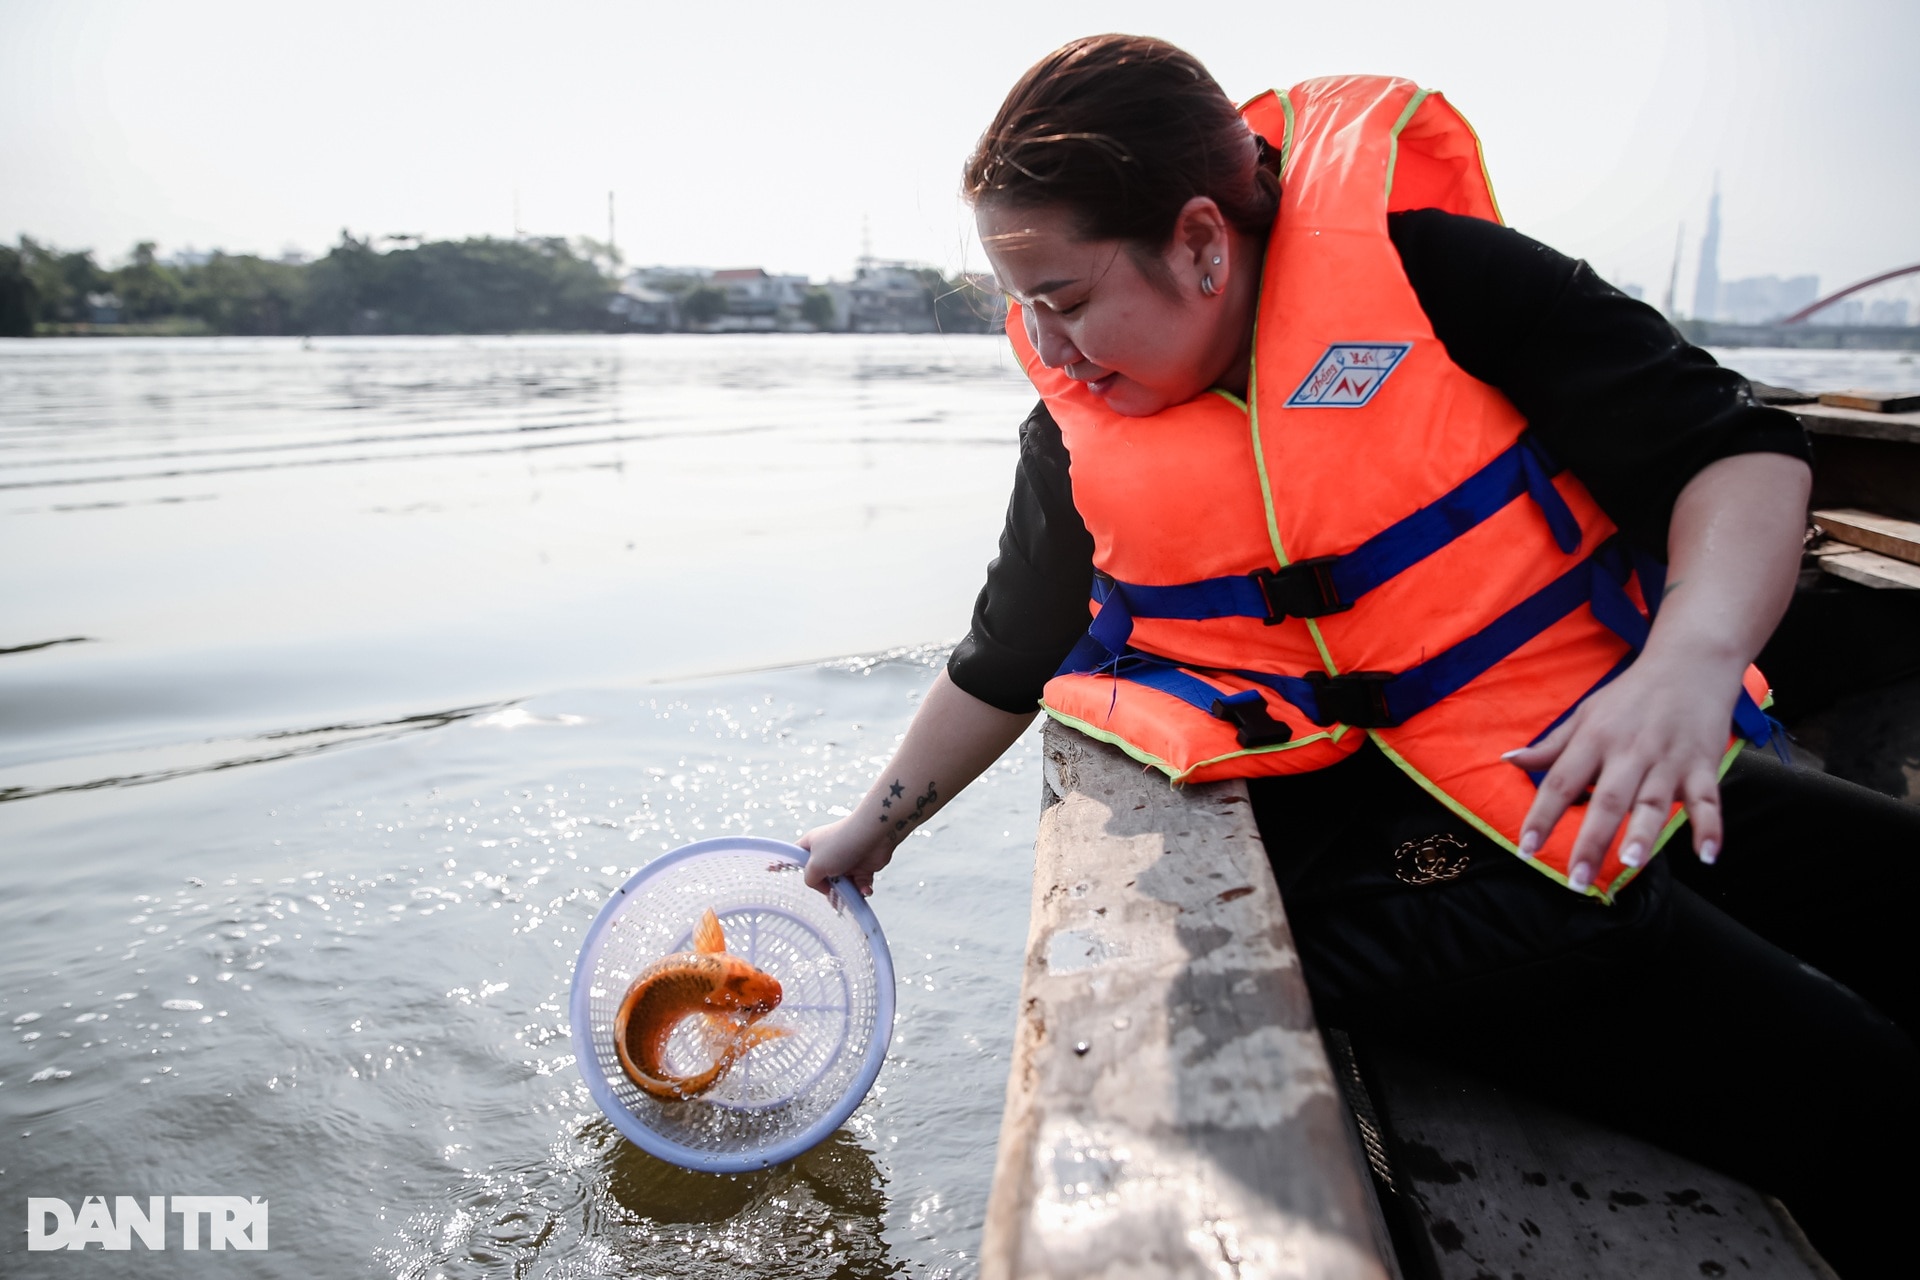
{"x": 1101, "y": 385}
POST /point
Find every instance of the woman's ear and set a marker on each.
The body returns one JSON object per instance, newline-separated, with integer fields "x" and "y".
{"x": 1199, "y": 256}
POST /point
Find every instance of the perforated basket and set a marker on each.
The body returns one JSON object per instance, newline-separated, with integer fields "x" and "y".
{"x": 836, "y": 976}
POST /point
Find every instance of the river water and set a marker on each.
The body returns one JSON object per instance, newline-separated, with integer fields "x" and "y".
{"x": 339, "y": 683}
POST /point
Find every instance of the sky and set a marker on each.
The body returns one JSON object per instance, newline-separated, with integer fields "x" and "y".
{"x": 789, "y": 136}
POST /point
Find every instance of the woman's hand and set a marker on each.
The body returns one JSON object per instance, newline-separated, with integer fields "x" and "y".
{"x": 845, "y": 849}
{"x": 1658, "y": 732}
{"x": 1653, "y": 736}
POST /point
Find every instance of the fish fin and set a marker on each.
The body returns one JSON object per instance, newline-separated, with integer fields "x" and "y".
{"x": 707, "y": 935}
{"x": 734, "y": 1038}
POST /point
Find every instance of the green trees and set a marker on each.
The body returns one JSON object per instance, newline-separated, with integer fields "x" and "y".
{"x": 816, "y": 308}
{"x": 465, "y": 286}
{"x": 480, "y": 285}
{"x": 446, "y": 286}
{"x": 19, "y": 299}
{"x": 704, "y": 305}
{"x": 61, "y": 281}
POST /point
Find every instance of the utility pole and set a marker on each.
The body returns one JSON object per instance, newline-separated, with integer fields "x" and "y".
{"x": 613, "y": 252}
{"x": 516, "y": 213}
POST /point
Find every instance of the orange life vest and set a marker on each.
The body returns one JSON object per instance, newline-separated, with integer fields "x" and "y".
{"x": 1373, "y": 545}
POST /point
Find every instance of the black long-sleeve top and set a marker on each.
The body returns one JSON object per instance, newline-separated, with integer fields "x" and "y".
{"x": 1612, "y": 391}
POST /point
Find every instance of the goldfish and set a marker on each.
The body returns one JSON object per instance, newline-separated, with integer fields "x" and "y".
{"x": 707, "y": 982}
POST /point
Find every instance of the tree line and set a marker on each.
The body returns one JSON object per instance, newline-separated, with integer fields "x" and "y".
{"x": 465, "y": 286}
{"x": 480, "y": 285}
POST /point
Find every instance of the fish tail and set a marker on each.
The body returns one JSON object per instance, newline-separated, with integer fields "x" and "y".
{"x": 708, "y": 936}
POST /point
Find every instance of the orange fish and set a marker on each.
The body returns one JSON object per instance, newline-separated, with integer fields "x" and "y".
{"x": 730, "y": 994}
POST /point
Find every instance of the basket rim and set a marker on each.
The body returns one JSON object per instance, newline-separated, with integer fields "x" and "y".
{"x": 844, "y": 898}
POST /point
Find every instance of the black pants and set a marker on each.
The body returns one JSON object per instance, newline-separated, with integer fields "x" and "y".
{"x": 1757, "y": 1016}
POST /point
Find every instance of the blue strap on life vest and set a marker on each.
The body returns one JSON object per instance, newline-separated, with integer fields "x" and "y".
{"x": 1386, "y": 699}
{"x": 1331, "y": 584}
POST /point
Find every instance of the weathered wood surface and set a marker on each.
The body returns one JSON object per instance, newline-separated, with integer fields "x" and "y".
{"x": 1866, "y": 473}
{"x": 1170, "y": 1108}
{"x": 1884, "y": 534}
{"x": 1869, "y": 568}
{"x": 1871, "y": 401}
{"x": 1831, "y": 420}
{"x": 1503, "y": 1186}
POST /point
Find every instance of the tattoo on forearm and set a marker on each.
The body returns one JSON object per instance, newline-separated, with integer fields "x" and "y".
{"x": 903, "y": 818}
{"x": 1671, "y": 587}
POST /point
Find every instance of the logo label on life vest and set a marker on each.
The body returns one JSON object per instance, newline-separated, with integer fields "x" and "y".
{"x": 1348, "y": 374}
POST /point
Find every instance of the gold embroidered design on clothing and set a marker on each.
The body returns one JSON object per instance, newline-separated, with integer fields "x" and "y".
{"x": 1428, "y": 861}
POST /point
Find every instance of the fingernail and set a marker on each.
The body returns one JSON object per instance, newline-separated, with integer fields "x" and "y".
{"x": 1709, "y": 851}
{"x": 1529, "y": 843}
{"x": 1634, "y": 854}
{"x": 1508, "y": 755}
{"x": 1580, "y": 877}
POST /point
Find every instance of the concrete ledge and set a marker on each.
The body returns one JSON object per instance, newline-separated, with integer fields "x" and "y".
{"x": 1170, "y": 1108}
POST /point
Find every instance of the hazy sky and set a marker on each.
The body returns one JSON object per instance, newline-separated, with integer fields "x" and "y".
{"x": 740, "y": 134}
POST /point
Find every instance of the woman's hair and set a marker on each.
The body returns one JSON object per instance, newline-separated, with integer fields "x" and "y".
{"x": 1122, "y": 131}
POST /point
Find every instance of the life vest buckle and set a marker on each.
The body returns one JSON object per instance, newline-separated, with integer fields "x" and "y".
{"x": 1247, "y": 712}
{"x": 1357, "y": 698}
{"x": 1304, "y": 589}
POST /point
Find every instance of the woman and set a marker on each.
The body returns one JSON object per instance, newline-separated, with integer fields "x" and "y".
{"x": 1377, "y": 492}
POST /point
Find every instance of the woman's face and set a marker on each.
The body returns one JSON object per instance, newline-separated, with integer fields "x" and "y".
{"x": 1091, "y": 310}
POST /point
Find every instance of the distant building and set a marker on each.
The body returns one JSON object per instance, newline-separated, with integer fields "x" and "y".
{"x": 1706, "y": 285}
{"x": 756, "y": 300}
{"x": 673, "y": 280}
{"x": 646, "y": 310}
{"x": 889, "y": 297}
{"x": 103, "y": 308}
{"x": 1764, "y": 299}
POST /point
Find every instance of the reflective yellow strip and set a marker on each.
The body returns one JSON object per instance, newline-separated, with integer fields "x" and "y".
{"x": 1606, "y": 894}
{"x": 1393, "y": 139}
{"x": 1174, "y": 773}
{"x": 1286, "y": 138}
{"x": 1480, "y": 152}
{"x": 1266, "y": 490}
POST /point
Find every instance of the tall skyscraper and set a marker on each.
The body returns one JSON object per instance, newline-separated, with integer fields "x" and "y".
{"x": 1706, "y": 285}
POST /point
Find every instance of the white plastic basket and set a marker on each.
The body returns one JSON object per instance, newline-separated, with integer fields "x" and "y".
{"x": 837, "y": 1001}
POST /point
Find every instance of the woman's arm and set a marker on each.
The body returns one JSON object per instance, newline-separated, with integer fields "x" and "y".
{"x": 1029, "y": 614}
{"x": 952, "y": 740}
{"x": 1658, "y": 732}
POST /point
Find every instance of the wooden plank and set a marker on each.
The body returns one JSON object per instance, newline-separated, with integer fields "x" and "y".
{"x": 1871, "y": 569}
{"x": 1897, "y": 538}
{"x": 1868, "y": 474}
{"x": 1767, "y": 393}
{"x": 1501, "y": 1185}
{"x": 1170, "y": 1108}
{"x": 1872, "y": 401}
{"x": 1821, "y": 419}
